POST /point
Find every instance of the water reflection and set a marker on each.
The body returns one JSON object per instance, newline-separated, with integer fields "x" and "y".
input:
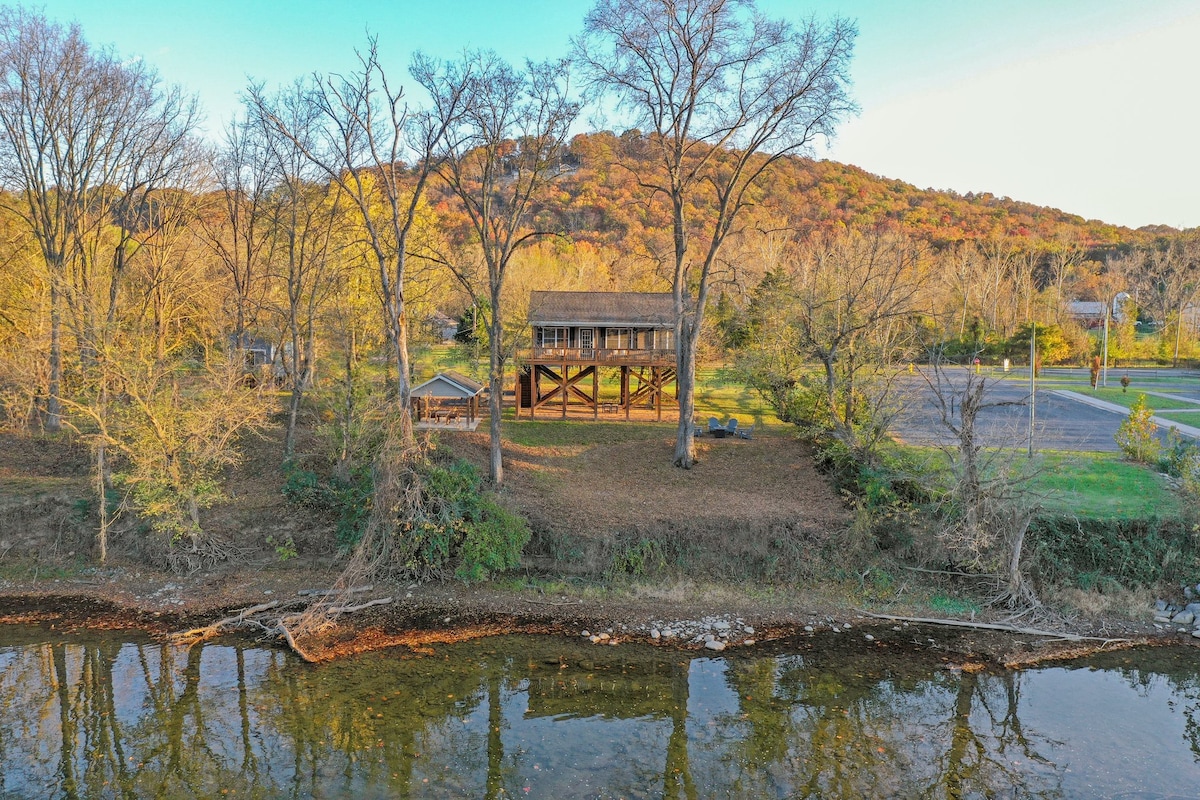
{"x": 120, "y": 716}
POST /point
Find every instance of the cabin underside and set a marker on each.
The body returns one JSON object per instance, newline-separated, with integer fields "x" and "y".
{"x": 563, "y": 388}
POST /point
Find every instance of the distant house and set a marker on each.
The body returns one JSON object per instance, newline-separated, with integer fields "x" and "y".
{"x": 257, "y": 350}
{"x": 442, "y": 326}
{"x": 576, "y": 334}
{"x": 1090, "y": 313}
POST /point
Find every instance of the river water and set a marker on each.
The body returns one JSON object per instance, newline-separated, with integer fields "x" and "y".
{"x": 97, "y": 715}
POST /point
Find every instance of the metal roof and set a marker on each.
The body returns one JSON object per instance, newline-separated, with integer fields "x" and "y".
{"x": 448, "y": 384}
{"x": 611, "y": 309}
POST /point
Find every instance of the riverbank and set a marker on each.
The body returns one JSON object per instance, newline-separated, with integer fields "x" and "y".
{"x": 684, "y": 617}
{"x": 639, "y": 548}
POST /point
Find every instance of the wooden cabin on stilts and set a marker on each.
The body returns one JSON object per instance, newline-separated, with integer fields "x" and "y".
{"x": 577, "y": 335}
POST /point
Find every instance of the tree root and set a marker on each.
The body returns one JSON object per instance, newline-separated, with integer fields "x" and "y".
{"x": 313, "y": 618}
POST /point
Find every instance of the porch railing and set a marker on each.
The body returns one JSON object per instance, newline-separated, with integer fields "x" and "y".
{"x": 601, "y": 355}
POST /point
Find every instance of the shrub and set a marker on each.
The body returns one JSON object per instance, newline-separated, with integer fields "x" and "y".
{"x": 453, "y": 527}
{"x": 1136, "y": 436}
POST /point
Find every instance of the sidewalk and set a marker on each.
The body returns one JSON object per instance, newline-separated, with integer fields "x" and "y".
{"x": 1183, "y": 430}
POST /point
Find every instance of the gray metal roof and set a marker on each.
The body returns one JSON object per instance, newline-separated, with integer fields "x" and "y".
{"x": 448, "y": 384}
{"x": 611, "y": 309}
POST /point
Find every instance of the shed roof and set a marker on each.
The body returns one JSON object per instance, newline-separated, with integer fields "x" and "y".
{"x": 634, "y": 309}
{"x": 448, "y": 384}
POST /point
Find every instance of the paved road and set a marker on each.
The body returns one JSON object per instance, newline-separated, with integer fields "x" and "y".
{"x": 1061, "y": 423}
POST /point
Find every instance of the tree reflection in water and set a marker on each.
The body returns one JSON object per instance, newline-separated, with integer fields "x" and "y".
{"x": 119, "y": 716}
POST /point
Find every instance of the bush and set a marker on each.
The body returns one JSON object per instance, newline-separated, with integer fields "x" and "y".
{"x": 449, "y": 526}
{"x": 1136, "y": 436}
{"x": 455, "y": 527}
{"x": 348, "y": 500}
{"x": 1090, "y": 553}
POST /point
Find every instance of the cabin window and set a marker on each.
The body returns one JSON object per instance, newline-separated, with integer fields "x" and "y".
{"x": 618, "y": 338}
{"x": 663, "y": 339}
{"x": 552, "y": 337}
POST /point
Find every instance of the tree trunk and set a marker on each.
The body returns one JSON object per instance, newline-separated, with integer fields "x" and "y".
{"x": 102, "y": 500}
{"x": 403, "y": 372}
{"x": 53, "y": 400}
{"x": 685, "y": 380}
{"x": 495, "y": 391}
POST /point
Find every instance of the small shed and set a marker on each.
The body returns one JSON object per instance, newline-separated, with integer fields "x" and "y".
{"x": 448, "y": 398}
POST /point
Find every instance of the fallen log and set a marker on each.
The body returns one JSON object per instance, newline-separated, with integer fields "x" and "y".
{"x": 995, "y": 626}
{"x": 325, "y": 592}
{"x": 351, "y": 609}
{"x": 197, "y": 635}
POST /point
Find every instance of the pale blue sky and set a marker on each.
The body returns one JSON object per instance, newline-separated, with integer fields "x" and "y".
{"x": 1085, "y": 105}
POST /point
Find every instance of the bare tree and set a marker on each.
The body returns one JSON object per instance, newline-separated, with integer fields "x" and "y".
{"x": 724, "y": 94}
{"x": 987, "y": 505}
{"x": 500, "y": 152}
{"x": 853, "y": 297}
{"x": 301, "y": 216}
{"x": 88, "y": 137}
{"x": 360, "y": 134}
{"x": 236, "y": 233}
{"x": 1171, "y": 282}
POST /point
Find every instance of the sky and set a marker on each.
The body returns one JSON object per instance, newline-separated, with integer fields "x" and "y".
{"x": 1088, "y": 106}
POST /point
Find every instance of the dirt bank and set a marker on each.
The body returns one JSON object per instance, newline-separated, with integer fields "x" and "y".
{"x": 750, "y": 506}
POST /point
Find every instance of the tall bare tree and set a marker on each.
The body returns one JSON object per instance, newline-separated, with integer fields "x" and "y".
{"x": 360, "y": 135}
{"x": 854, "y": 296}
{"x": 724, "y": 94}
{"x": 301, "y": 215}
{"x": 235, "y": 228}
{"x": 500, "y": 153}
{"x": 1171, "y": 282}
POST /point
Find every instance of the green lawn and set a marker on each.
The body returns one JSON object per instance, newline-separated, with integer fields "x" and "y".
{"x": 1098, "y": 485}
{"x": 1182, "y": 417}
{"x": 1102, "y": 485}
{"x": 719, "y": 393}
{"x": 1127, "y": 399}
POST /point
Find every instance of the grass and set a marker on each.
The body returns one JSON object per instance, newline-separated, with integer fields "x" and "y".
{"x": 582, "y": 433}
{"x": 1091, "y": 485}
{"x": 720, "y": 393}
{"x": 1101, "y": 485}
{"x": 1127, "y": 399}
{"x": 35, "y": 487}
{"x": 1191, "y": 418}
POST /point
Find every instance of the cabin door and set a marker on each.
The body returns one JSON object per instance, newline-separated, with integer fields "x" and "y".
{"x": 587, "y": 342}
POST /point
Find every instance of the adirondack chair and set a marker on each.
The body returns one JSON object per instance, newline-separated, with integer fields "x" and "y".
{"x": 731, "y": 429}
{"x": 714, "y": 424}
{"x": 746, "y": 433}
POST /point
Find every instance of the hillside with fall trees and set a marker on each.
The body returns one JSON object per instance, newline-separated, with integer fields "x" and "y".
{"x": 598, "y": 200}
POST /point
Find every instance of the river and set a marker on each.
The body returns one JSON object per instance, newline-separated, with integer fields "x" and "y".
{"x": 116, "y": 714}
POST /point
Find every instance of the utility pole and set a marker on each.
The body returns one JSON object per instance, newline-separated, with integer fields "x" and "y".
{"x": 1104, "y": 362}
{"x": 1032, "y": 382}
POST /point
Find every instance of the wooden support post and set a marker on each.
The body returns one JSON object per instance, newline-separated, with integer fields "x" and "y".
{"x": 516, "y": 398}
{"x": 535, "y": 390}
{"x": 564, "y": 390}
{"x": 656, "y": 376}
{"x": 625, "y": 391}
{"x": 595, "y": 393}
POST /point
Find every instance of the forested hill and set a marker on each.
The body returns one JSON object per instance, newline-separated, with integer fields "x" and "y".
{"x": 599, "y": 197}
